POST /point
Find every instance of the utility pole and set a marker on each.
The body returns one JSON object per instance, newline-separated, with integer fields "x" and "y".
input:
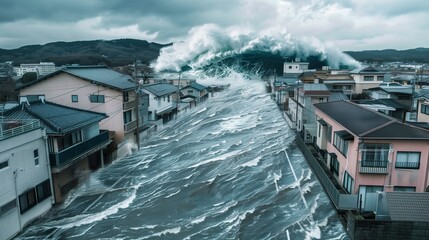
{"x": 137, "y": 90}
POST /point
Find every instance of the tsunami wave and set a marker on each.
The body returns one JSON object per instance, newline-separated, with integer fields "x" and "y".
{"x": 210, "y": 46}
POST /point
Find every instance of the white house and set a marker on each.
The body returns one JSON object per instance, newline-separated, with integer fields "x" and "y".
{"x": 25, "y": 191}
{"x": 161, "y": 104}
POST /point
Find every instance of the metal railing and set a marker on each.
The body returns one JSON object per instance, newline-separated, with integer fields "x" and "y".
{"x": 130, "y": 126}
{"x": 341, "y": 201}
{"x": 128, "y": 105}
{"x": 74, "y": 152}
{"x": 10, "y": 127}
{"x": 407, "y": 165}
{"x": 374, "y": 166}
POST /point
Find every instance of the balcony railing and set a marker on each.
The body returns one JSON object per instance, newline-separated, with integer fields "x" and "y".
{"x": 374, "y": 166}
{"x": 130, "y": 126}
{"x": 11, "y": 128}
{"x": 128, "y": 105}
{"x": 74, "y": 152}
{"x": 408, "y": 165}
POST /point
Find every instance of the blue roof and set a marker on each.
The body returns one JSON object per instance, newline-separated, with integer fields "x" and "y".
{"x": 197, "y": 86}
{"x": 57, "y": 119}
{"x": 161, "y": 89}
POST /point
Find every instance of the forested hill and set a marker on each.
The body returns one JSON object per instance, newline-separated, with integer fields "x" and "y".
{"x": 419, "y": 55}
{"x": 112, "y": 53}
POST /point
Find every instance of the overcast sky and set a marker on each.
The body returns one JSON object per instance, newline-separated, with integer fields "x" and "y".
{"x": 348, "y": 24}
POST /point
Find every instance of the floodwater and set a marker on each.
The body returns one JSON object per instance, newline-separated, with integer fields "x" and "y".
{"x": 226, "y": 169}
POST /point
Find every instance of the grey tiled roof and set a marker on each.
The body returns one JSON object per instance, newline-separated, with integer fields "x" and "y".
{"x": 337, "y": 96}
{"x": 385, "y": 101}
{"x": 103, "y": 75}
{"x": 96, "y": 74}
{"x": 161, "y": 89}
{"x": 57, "y": 119}
{"x": 367, "y": 123}
{"x": 408, "y": 206}
{"x": 365, "y": 69}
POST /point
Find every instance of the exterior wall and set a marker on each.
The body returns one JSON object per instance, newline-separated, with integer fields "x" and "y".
{"x": 295, "y": 67}
{"x": 395, "y": 177}
{"x": 18, "y": 151}
{"x": 362, "y": 85}
{"x": 158, "y": 104}
{"x": 60, "y": 88}
{"x": 421, "y": 117}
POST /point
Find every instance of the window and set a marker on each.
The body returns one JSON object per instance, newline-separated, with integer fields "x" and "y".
{"x": 96, "y": 98}
{"x": 127, "y": 117}
{"x": 375, "y": 155}
{"x": 341, "y": 144}
{"x": 43, "y": 190}
{"x": 404, "y": 189}
{"x": 410, "y": 160}
{"x": 329, "y": 133}
{"x": 425, "y": 109}
{"x": 69, "y": 140}
{"x": 334, "y": 165}
{"x": 290, "y": 67}
{"x": 4, "y": 164}
{"x": 368, "y": 78}
{"x": 27, "y": 200}
{"x": 380, "y": 78}
{"x": 36, "y": 157}
{"x": 126, "y": 97}
{"x": 348, "y": 182}
{"x": 74, "y": 98}
{"x": 7, "y": 207}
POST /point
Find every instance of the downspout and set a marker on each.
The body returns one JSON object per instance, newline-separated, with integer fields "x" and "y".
{"x": 48, "y": 165}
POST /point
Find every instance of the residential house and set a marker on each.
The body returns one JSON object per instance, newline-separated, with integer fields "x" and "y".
{"x": 282, "y": 88}
{"x": 98, "y": 89}
{"x": 194, "y": 93}
{"x": 25, "y": 191}
{"x": 301, "y": 108}
{"x": 423, "y": 105}
{"x": 161, "y": 104}
{"x": 368, "y": 151}
{"x": 295, "y": 66}
{"x": 387, "y": 106}
{"x": 343, "y": 82}
{"x": 75, "y": 142}
{"x": 366, "y": 77}
{"x": 42, "y": 68}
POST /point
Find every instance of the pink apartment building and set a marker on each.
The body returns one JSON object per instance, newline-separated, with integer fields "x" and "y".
{"x": 368, "y": 151}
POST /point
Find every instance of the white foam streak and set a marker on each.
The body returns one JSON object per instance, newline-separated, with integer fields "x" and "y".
{"x": 198, "y": 220}
{"x": 165, "y": 232}
{"x": 219, "y": 158}
{"x": 252, "y": 163}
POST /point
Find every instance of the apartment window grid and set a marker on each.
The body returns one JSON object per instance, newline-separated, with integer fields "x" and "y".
{"x": 408, "y": 160}
{"x": 375, "y": 155}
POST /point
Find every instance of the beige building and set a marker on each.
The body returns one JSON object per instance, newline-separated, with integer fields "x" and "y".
{"x": 98, "y": 89}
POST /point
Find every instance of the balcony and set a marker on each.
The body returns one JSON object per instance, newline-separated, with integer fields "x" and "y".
{"x": 76, "y": 151}
{"x": 129, "y": 105}
{"x": 130, "y": 126}
{"x": 10, "y": 128}
{"x": 374, "y": 166}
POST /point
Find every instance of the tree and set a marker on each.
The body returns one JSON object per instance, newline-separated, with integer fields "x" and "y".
{"x": 28, "y": 77}
{"x": 7, "y": 93}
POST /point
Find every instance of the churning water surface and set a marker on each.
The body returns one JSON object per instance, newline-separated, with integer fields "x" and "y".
{"x": 227, "y": 169}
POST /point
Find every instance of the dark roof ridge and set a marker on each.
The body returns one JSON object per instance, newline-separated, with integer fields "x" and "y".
{"x": 377, "y": 128}
{"x": 77, "y": 109}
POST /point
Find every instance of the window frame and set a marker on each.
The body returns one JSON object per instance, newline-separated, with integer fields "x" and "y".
{"x": 26, "y": 197}
{"x": 75, "y": 98}
{"x": 95, "y": 98}
{"x": 348, "y": 182}
{"x": 375, "y": 155}
{"x": 407, "y": 164}
{"x": 43, "y": 190}
{"x": 4, "y": 164}
{"x": 340, "y": 144}
{"x": 36, "y": 157}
